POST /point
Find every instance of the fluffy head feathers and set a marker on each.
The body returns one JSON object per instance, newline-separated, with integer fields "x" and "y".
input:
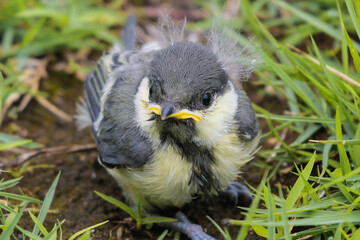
{"x": 237, "y": 60}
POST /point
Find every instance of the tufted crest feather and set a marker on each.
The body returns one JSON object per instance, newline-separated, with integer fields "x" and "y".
{"x": 169, "y": 31}
{"x": 237, "y": 60}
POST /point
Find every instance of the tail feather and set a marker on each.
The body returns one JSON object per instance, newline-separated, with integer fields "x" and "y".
{"x": 128, "y": 33}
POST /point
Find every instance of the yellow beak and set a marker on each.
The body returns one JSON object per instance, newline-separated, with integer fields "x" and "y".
{"x": 155, "y": 110}
{"x": 185, "y": 114}
{"x": 165, "y": 113}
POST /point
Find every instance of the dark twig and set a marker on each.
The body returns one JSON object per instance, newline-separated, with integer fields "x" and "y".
{"x": 49, "y": 151}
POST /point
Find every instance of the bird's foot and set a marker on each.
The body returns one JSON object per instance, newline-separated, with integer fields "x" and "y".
{"x": 238, "y": 194}
{"x": 193, "y": 231}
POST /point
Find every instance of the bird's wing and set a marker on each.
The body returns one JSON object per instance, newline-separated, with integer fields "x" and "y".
{"x": 97, "y": 80}
{"x": 248, "y": 125}
{"x": 109, "y": 93}
{"x": 94, "y": 85}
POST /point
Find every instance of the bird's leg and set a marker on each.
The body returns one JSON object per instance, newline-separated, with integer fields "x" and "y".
{"x": 193, "y": 231}
{"x": 238, "y": 194}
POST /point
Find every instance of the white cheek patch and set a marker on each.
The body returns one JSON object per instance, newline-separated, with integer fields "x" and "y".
{"x": 141, "y": 99}
{"x": 142, "y": 114}
{"x": 218, "y": 119}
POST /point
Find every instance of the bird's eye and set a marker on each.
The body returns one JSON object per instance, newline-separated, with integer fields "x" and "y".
{"x": 206, "y": 99}
{"x": 151, "y": 92}
{"x": 155, "y": 90}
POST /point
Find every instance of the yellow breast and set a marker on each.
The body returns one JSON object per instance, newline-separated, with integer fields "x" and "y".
{"x": 164, "y": 181}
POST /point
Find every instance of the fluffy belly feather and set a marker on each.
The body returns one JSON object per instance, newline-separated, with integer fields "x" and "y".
{"x": 164, "y": 181}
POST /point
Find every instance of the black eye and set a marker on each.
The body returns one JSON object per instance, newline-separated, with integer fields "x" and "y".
{"x": 151, "y": 92}
{"x": 155, "y": 90}
{"x": 206, "y": 99}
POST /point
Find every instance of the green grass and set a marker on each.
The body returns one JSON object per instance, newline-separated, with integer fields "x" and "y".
{"x": 319, "y": 86}
{"x": 33, "y": 28}
{"x": 11, "y": 212}
{"x": 139, "y": 216}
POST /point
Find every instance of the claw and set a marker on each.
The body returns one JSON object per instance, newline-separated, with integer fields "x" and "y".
{"x": 193, "y": 231}
{"x": 238, "y": 194}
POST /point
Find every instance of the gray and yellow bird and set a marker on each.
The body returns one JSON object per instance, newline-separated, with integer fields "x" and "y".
{"x": 169, "y": 122}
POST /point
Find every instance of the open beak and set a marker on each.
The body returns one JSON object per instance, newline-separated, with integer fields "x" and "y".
{"x": 169, "y": 111}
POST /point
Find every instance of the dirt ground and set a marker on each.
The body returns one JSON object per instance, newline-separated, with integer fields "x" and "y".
{"x": 81, "y": 175}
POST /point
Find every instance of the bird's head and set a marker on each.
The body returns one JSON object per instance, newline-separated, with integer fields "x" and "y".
{"x": 186, "y": 95}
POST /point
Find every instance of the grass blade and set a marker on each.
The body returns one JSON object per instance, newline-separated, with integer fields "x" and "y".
{"x": 9, "y": 183}
{"x": 356, "y": 235}
{"x": 53, "y": 233}
{"x": 344, "y": 160}
{"x": 163, "y": 235}
{"x": 353, "y": 52}
{"x": 245, "y": 227}
{"x": 5, "y": 146}
{"x": 223, "y": 233}
{"x": 85, "y": 236}
{"x": 29, "y": 234}
{"x": 299, "y": 185}
{"x": 297, "y": 118}
{"x": 119, "y": 204}
{"x": 46, "y": 203}
{"x": 284, "y": 218}
{"x": 9, "y": 227}
{"x": 32, "y": 32}
{"x": 271, "y": 209}
{"x": 354, "y": 19}
{"x": 10, "y": 138}
{"x": 351, "y": 142}
{"x": 333, "y": 217}
{"x": 356, "y": 148}
{"x": 88, "y": 228}
{"x": 157, "y": 219}
{"x": 38, "y": 224}
{"x": 19, "y": 197}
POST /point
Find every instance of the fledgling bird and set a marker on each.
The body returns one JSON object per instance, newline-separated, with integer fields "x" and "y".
{"x": 169, "y": 122}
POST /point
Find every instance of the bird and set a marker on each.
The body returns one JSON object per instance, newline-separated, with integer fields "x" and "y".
{"x": 171, "y": 120}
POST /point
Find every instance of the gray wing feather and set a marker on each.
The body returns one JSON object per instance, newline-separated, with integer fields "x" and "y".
{"x": 121, "y": 142}
{"x": 92, "y": 93}
{"x": 96, "y": 81}
{"x": 119, "y": 139}
{"x": 248, "y": 125}
{"x": 129, "y": 37}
